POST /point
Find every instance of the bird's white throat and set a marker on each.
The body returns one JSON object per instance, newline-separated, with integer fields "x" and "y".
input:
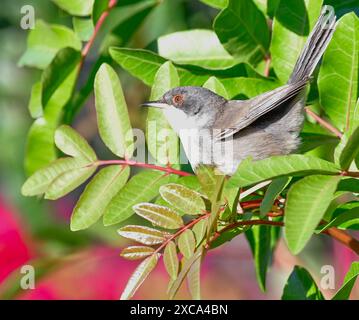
{"x": 198, "y": 142}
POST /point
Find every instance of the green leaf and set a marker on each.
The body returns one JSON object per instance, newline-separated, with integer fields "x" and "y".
{"x": 170, "y": 259}
{"x": 43, "y": 43}
{"x": 141, "y": 234}
{"x": 98, "y": 193}
{"x": 40, "y": 148}
{"x": 292, "y": 24}
{"x": 301, "y": 286}
{"x": 350, "y": 151}
{"x": 194, "y": 280}
{"x": 218, "y": 4}
{"x": 339, "y": 74}
{"x": 199, "y": 230}
{"x": 68, "y": 181}
{"x": 187, "y": 243}
{"x": 137, "y": 252}
{"x": 190, "y": 182}
{"x": 162, "y": 141}
{"x": 251, "y": 172}
{"x": 142, "y": 187}
{"x": 259, "y": 238}
{"x": 207, "y": 178}
{"x": 72, "y": 143}
{"x": 183, "y": 199}
{"x": 348, "y": 283}
{"x": 139, "y": 275}
{"x": 125, "y": 20}
{"x": 342, "y": 6}
{"x": 113, "y": 120}
{"x": 227, "y": 236}
{"x": 344, "y": 220}
{"x": 249, "y": 87}
{"x": 84, "y": 28}
{"x": 196, "y": 47}
{"x": 63, "y": 65}
{"x": 40, "y": 181}
{"x": 35, "y": 103}
{"x": 273, "y": 191}
{"x": 340, "y": 199}
{"x": 76, "y": 7}
{"x": 216, "y": 86}
{"x": 184, "y": 271}
{"x": 243, "y": 31}
{"x": 144, "y": 64}
{"x": 307, "y": 202}
{"x": 159, "y": 215}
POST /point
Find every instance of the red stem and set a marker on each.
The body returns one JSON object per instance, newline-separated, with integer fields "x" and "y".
{"x": 167, "y": 169}
{"x": 323, "y": 123}
{"x": 339, "y": 235}
{"x": 268, "y": 61}
{"x": 101, "y": 20}
{"x": 350, "y": 174}
{"x": 175, "y": 235}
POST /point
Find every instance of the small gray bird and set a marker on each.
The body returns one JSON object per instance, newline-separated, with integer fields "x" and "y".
{"x": 222, "y": 133}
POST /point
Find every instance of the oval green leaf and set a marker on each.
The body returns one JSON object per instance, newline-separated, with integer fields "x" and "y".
{"x": 251, "y": 172}
{"x": 196, "y": 47}
{"x": 339, "y": 74}
{"x": 40, "y": 181}
{"x": 137, "y": 252}
{"x": 112, "y": 115}
{"x": 76, "y": 7}
{"x": 43, "y": 43}
{"x": 72, "y": 143}
{"x": 144, "y": 235}
{"x": 307, "y": 201}
{"x": 170, "y": 260}
{"x": 141, "y": 188}
{"x": 242, "y": 29}
{"x": 139, "y": 275}
{"x": 68, "y": 181}
{"x": 159, "y": 215}
{"x": 183, "y": 199}
{"x": 187, "y": 243}
{"x": 98, "y": 193}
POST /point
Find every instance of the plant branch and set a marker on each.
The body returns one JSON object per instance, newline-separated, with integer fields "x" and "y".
{"x": 167, "y": 169}
{"x": 323, "y": 123}
{"x": 339, "y": 235}
{"x": 183, "y": 229}
{"x": 344, "y": 238}
{"x": 101, "y": 20}
{"x": 268, "y": 61}
{"x": 350, "y": 174}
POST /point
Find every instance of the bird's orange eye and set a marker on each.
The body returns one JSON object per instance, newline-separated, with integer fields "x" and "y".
{"x": 177, "y": 99}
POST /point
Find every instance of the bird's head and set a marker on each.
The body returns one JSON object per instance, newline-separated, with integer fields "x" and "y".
{"x": 189, "y": 107}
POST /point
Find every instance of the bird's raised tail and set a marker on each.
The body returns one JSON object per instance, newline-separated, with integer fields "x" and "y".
{"x": 315, "y": 46}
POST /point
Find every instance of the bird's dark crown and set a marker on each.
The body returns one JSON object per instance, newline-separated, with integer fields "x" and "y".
{"x": 193, "y": 100}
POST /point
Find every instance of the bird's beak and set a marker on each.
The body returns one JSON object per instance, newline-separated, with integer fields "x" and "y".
{"x": 155, "y": 104}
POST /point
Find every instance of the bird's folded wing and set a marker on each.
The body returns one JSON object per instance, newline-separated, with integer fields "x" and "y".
{"x": 241, "y": 113}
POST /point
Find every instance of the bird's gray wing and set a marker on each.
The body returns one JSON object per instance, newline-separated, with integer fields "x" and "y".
{"x": 239, "y": 114}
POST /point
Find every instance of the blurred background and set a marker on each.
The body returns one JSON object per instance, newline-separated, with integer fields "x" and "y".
{"x": 87, "y": 264}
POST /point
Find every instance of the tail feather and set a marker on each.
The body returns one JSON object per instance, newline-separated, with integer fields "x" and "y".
{"x": 316, "y": 45}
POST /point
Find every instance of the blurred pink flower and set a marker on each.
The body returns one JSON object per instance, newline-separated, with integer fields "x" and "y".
{"x": 14, "y": 250}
